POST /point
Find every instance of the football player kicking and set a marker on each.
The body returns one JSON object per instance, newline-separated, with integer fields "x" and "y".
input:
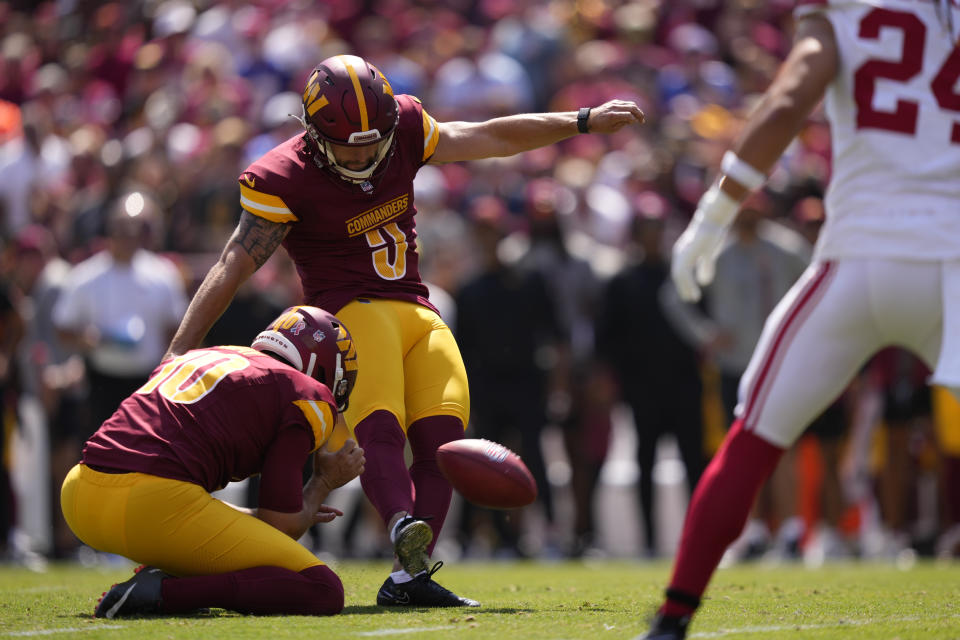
{"x": 886, "y": 269}
{"x": 202, "y": 420}
{"x": 340, "y": 199}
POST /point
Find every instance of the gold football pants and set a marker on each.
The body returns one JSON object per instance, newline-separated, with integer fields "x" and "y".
{"x": 408, "y": 363}
{"x": 173, "y": 525}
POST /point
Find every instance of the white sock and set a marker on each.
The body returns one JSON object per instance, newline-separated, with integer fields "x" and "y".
{"x": 396, "y": 525}
{"x": 399, "y": 577}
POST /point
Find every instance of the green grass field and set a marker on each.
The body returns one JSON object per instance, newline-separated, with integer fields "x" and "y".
{"x": 606, "y": 600}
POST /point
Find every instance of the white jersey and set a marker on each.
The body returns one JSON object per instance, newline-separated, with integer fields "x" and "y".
{"x": 894, "y": 112}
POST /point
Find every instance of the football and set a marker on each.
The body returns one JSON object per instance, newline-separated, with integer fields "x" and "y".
{"x": 487, "y": 473}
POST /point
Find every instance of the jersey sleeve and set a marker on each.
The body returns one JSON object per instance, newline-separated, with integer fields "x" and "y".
{"x": 429, "y": 128}
{"x": 431, "y": 135}
{"x": 321, "y": 418}
{"x": 313, "y": 406}
{"x": 70, "y": 312}
{"x": 256, "y": 197}
{"x": 281, "y": 478}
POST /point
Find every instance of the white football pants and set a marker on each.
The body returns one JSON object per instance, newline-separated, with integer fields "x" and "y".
{"x": 836, "y": 316}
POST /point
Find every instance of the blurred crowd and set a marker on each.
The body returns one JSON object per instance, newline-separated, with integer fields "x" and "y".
{"x": 124, "y": 126}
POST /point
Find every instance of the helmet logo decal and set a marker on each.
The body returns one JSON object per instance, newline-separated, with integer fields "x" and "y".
{"x": 318, "y": 336}
{"x": 317, "y": 104}
{"x": 387, "y": 89}
{"x": 314, "y": 104}
{"x": 345, "y": 345}
{"x": 287, "y": 320}
{"x": 361, "y": 101}
{"x": 297, "y": 328}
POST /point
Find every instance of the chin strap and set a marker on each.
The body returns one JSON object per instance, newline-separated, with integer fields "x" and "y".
{"x": 299, "y": 119}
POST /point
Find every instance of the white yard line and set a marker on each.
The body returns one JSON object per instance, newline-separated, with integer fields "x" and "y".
{"x": 840, "y": 624}
{"x": 398, "y": 631}
{"x": 50, "y": 632}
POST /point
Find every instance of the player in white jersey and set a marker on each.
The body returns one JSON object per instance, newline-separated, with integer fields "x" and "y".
{"x": 887, "y": 263}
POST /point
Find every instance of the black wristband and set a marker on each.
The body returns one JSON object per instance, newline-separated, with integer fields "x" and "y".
{"x": 582, "y": 116}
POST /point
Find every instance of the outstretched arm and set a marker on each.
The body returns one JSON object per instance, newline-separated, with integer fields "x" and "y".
{"x": 779, "y": 116}
{"x": 787, "y": 103}
{"x": 253, "y": 241}
{"x": 510, "y": 135}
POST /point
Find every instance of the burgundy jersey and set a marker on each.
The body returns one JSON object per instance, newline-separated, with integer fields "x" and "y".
{"x": 347, "y": 242}
{"x": 209, "y": 416}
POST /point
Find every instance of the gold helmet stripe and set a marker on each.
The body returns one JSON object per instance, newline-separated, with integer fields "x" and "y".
{"x": 364, "y": 121}
{"x": 343, "y": 342}
{"x": 312, "y": 89}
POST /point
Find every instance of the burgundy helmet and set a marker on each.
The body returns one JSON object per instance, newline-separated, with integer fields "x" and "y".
{"x": 316, "y": 343}
{"x": 348, "y": 102}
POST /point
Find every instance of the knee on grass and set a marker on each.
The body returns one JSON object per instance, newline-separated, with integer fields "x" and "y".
{"x": 322, "y": 592}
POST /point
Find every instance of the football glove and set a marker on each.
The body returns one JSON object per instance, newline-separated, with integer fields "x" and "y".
{"x": 695, "y": 251}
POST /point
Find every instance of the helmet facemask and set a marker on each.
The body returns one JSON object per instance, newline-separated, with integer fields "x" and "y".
{"x": 359, "y": 139}
{"x": 340, "y": 386}
{"x": 348, "y": 104}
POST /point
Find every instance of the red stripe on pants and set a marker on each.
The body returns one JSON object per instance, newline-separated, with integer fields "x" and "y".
{"x": 775, "y": 351}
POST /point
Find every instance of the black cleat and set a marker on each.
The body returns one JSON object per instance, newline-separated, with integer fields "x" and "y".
{"x": 422, "y": 591}
{"x": 413, "y": 538}
{"x": 137, "y": 596}
{"x": 667, "y": 628}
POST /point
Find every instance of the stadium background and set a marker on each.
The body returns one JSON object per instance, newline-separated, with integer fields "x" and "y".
{"x": 173, "y": 99}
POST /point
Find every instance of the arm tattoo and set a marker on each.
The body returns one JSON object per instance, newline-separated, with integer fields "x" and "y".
{"x": 259, "y": 237}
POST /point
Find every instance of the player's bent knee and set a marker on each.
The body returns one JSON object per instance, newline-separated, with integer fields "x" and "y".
{"x": 325, "y": 591}
{"x": 380, "y": 427}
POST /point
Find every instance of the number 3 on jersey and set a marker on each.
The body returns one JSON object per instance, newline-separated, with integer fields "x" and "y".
{"x": 381, "y": 254}
{"x": 903, "y": 118}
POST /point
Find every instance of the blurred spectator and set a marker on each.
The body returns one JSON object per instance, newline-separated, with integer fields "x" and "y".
{"x": 47, "y": 370}
{"x": 947, "y": 419}
{"x": 508, "y": 333}
{"x": 119, "y": 308}
{"x": 18, "y": 59}
{"x": 11, "y": 330}
{"x": 901, "y": 379}
{"x": 29, "y": 163}
{"x": 278, "y": 124}
{"x": 493, "y": 85}
{"x": 657, "y": 370}
{"x": 579, "y": 394}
